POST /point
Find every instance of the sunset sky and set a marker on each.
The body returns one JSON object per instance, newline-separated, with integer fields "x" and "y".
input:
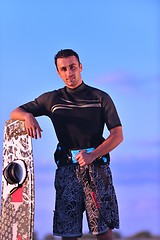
{"x": 117, "y": 42}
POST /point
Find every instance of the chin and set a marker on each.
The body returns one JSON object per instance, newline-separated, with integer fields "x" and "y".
{"x": 71, "y": 84}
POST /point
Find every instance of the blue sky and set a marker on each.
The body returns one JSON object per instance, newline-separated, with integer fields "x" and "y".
{"x": 118, "y": 46}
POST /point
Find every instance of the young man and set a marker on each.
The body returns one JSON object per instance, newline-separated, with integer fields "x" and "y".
{"x": 83, "y": 178}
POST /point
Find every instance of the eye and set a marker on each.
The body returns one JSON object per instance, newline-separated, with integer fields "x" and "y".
{"x": 63, "y": 69}
{"x": 72, "y": 67}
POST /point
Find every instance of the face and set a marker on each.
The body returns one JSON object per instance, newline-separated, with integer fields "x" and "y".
{"x": 70, "y": 70}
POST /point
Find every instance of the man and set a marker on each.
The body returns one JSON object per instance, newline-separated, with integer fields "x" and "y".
{"x": 83, "y": 179}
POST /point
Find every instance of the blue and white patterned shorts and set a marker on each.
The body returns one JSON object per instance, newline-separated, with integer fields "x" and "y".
{"x": 84, "y": 188}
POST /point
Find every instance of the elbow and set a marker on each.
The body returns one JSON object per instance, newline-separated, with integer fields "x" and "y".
{"x": 15, "y": 114}
{"x": 12, "y": 115}
{"x": 117, "y": 134}
{"x": 120, "y": 136}
{"x": 121, "y": 139}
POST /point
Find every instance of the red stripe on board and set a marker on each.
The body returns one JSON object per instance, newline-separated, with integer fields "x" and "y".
{"x": 19, "y": 237}
{"x": 17, "y": 196}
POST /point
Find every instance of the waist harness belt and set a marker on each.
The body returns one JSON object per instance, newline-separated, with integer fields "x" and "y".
{"x": 65, "y": 156}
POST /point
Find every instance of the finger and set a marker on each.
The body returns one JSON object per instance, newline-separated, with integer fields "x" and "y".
{"x": 39, "y": 132}
{"x": 79, "y": 155}
{"x": 34, "y": 131}
{"x": 82, "y": 164}
{"x": 30, "y": 132}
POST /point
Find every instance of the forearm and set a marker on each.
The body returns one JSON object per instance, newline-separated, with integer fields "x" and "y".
{"x": 32, "y": 127}
{"x": 19, "y": 114}
{"x": 114, "y": 139}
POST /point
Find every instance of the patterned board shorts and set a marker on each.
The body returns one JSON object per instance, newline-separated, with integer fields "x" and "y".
{"x": 87, "y": 188}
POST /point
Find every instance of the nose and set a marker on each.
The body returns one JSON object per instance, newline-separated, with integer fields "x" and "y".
{"x": 69, "y": 72}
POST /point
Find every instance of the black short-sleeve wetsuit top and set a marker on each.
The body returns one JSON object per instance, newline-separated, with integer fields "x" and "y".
{"x": 78, "y": 115}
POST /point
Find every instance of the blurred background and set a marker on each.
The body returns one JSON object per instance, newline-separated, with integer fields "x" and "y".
{"x": 118, "y": 44}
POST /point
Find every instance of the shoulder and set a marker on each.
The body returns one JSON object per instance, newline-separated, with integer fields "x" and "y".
{"x": 98, "y": 92}
{"x": 103, "y": 97}
{"x": 51, "y": 94}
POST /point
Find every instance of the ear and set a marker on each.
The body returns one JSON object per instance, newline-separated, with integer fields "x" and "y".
{"x": 81, "y": 67}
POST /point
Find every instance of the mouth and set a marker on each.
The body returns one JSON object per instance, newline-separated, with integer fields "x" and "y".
{"x": 71, "y": 79}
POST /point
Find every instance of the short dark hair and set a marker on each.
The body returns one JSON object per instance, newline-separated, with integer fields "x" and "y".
{"x": 64, "y": 53}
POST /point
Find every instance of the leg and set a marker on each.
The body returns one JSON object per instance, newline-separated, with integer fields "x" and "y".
{"x": 105, "y": 216}
{"x": 105, "y": 236}
{"x": 69, "y": 205}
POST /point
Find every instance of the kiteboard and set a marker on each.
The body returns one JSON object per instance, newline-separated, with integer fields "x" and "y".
{"x": 17, "y": 195}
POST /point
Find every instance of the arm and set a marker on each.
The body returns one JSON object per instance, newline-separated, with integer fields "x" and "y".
{"x": 32, "y": 126}
{"x": 113, "y": 140}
